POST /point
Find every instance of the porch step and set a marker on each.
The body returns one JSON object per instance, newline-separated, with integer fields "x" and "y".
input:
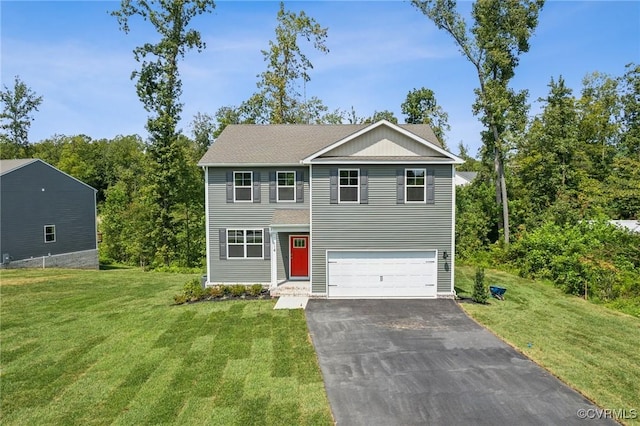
{"x": 292, "y": 289}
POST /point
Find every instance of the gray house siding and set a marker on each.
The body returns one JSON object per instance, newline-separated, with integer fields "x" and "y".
{"x": 244, "y": 215}
{"x": 382, "y": 223}
{"x": 36, "y": 195}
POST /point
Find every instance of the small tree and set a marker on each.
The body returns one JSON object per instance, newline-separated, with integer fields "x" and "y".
{"x": 18, "y": 105}
{"x": 480, "y": 294}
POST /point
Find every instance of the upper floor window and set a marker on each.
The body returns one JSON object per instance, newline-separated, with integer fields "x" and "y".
{"x": 286, "y": 184}
{"x": 243, "y": 186}
{"x": 49, "y": 233}
{"x": 415, "y": 185}
{"x": 348, "y": 185}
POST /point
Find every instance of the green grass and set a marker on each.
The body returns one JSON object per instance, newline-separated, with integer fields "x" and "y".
{"x": 107, "y": 347}
{"x": 594, "y": 349}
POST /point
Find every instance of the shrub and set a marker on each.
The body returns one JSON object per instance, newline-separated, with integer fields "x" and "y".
{"x": 589, "y": 258}
{"x": 215, "y": 291}
{"x": 255, "y": 290}
{"x": 179, "y": 299}
{"x": 480, "y": 294}
{"x": 193, "y": 290}
{"x": 225, "y": 289}
{"x": 238, "y": 290}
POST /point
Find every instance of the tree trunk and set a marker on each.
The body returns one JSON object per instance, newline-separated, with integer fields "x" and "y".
{"x": 501, "y": 184}
{"x": 496, "y": 169}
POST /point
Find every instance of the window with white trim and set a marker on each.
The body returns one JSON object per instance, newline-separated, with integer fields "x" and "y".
{"x": 286, "y": 186}
{"x": 243, "y": 186}
{"x": 49, "y": 233}
{"x": 244, "y": 243}
{"x": 415, "y": 185}
{"x": 349, "y": 186}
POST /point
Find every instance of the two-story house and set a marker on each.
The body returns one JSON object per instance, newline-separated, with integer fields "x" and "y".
{"x": 356, "y": 211}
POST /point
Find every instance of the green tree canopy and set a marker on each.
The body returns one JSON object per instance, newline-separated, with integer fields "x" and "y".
{"x": 421, "y": 107}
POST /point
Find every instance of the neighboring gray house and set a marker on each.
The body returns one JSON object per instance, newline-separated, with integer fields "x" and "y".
{"x": 47, "y": 218}
{"x": 465, "y": 178}
{"x": 354, "y": 210}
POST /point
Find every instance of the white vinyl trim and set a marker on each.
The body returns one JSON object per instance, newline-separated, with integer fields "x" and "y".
{"x": 310, "y": 229}
{"x": 245, "y": 165}
{"x": 206, "y": 224}
{"x": 323, "y": 161}
{"x": 452, "y": 255}
{"x": 273, "y": 264}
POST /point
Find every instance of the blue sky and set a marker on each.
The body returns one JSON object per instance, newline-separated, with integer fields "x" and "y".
{"x": 74, "y": 55}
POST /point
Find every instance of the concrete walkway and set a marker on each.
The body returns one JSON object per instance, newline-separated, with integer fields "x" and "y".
{"x": 291, "y": 302}
{"x": 424, "y": 362}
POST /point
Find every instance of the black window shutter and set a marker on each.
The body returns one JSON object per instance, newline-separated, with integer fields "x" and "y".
{"x": 333, "y": 186}
{"x": 364, "y": 186}
{"x": 266, "y": 242}
{"x": 256, "y": 187}
{"x": 431, "y": 193}
{"x": 222, "y": 233}
{"x": 300, "y": 186}
{"x": 400, "y": 185}
{"x": 272, "y": 187}
{"x": 229, "y": 187}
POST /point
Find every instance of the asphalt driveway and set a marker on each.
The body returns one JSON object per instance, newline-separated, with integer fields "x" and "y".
{"x": 409, "y": 362}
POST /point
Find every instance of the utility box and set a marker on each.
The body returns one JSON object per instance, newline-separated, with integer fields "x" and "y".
{"x": 6, "y": 258}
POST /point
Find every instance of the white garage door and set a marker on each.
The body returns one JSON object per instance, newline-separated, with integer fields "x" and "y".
{"x": 382, "y": 273}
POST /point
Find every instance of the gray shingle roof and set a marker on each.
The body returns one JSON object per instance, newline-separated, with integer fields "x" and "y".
{"x": 285, "y": 143}
{"x": 469, "y": 176}
{"x": 7, "y": 166}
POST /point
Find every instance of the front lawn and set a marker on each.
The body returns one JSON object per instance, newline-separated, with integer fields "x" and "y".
{"x": 590, "y": 347}
{"x": 106, "y": 347}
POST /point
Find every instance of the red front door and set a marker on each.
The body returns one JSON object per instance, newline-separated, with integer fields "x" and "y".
{"x": 299, "y": 256}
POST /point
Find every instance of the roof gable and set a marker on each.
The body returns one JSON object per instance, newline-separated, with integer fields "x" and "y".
{"x": 385, "y": 140}
{"x": 9, "y": 166}
{"x": 382, "y": 141}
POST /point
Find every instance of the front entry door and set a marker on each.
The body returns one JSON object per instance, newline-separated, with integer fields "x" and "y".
{"x": 299, "y": 256}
